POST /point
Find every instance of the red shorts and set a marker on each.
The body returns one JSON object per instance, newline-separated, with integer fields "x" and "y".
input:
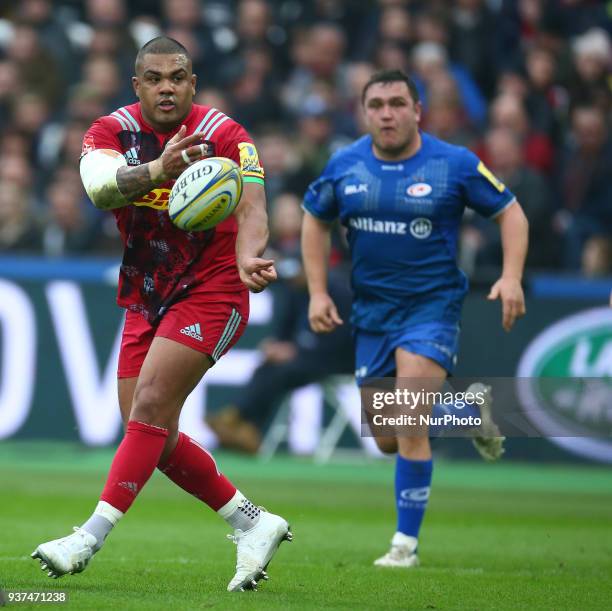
{"x": 207, "y": 322}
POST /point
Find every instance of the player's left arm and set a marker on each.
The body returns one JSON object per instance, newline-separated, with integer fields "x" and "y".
{"x": 486, "y": 194}
{"x": 255, "y": 271}
{"x": 514, "y": 230}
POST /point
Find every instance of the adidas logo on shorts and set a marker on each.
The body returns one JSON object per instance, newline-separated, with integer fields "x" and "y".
{"x": 193, "y": 331}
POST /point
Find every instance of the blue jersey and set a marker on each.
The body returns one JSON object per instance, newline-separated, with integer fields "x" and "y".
{"x": 403, "y": 221}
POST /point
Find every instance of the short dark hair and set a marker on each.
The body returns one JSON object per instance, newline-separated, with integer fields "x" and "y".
{"x": 161, "y": 45}
{"x": 391, "y": 76}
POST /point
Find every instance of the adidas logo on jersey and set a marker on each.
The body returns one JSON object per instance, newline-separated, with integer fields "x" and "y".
{"x": 193, "y": 331}
{"x": 131, "y": 156}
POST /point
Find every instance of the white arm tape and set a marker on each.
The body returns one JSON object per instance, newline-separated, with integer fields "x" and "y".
{"x": 99, "y": 175}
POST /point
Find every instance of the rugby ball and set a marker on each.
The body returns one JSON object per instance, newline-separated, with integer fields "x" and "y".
{"x": 205, "y": 194}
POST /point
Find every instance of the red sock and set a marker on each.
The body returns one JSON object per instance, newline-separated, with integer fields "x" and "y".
{"x": 134, "y": 462}
{"x": 192, "y": 468}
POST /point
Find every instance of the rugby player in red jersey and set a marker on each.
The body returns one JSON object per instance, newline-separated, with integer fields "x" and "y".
{"x": 186, "y": 296}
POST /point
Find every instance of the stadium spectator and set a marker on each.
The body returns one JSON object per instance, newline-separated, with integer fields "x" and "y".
{"x": 38, "y": 71}
{"x": 71, "y": 228}
{"x": 546, "y": 102}
{"x": 250, "y": 95}
{"x": 430, "y": 62}
{"x": 597, "y": 256}
{"x": 481, "y": 240}
{"x": 101, "y": 74}
{"x": 320, "y": 57}
{"x": 106, "y": 13}
{"x": 509, "y": 111}
{"x": 282, "y": 162}
{"x": 585, "y": 186}
{"x": 186, "y": 19}
{"x": 51, "y": 32}
{"x": 391, "y": 56}
{"x": 10, "y": 86}
{"x": 18, "y": 230}
{"x": 445, "y": 116}
{"x": 592, "y": 54}
{"x": 16, "y": 168}
{"x": 316, "y": 139}
{"x": 472, "y": 41}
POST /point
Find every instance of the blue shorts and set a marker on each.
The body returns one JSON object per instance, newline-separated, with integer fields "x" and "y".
{"x": 375, "y": 352}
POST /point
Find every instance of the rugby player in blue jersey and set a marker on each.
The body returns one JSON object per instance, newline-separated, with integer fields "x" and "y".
{"x": 401, "y": 194}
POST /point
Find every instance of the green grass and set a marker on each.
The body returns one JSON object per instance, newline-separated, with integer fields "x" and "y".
{"x": 501, "y": 536}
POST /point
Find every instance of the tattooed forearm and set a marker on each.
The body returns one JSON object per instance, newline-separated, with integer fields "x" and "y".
{"x": 136, "y": 182}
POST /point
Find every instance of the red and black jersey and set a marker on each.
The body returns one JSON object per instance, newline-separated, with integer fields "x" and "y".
{"x": 161, "y": 262}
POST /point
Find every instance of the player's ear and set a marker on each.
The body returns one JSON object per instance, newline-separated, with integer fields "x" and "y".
{"x": 194, "y": 78}
{"x": 136, "y": 86}
{"x": 417, "y": 110}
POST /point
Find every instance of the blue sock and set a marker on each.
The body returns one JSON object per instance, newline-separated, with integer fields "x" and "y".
{"x": 460, "y": 410}
{"x": 412, "y": 484}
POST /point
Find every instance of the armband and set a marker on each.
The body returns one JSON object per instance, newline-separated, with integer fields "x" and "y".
{"x": 99, "y": 175}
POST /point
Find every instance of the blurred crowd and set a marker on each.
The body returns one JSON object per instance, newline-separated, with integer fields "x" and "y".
{"x": 526, "y": 84}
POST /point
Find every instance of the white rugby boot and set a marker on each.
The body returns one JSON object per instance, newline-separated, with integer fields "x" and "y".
{"x": 489, "y": 442}
{"x": 69, "y": 554}
{"x": 256, "y": 547}
{"x": 403, "y": 553}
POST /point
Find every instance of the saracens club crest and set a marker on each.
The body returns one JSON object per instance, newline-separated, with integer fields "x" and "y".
{"x": 419, "y": 189}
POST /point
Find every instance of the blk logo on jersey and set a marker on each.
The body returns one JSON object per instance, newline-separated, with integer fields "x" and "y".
{"x": 420, "y": 228}
{"x": 354, "y": 189}
{"x": 419, "y": 189}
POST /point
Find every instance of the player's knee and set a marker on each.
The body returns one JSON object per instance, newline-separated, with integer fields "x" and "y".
{"x": 387, "y": 445}
{"x": 414, "y": 447}
{"x": 151, "y": 406}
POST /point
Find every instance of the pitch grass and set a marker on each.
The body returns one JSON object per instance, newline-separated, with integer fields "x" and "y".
{"x": 501, "y": 536}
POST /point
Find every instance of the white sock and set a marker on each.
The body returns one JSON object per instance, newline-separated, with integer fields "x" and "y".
{"x": 102, "y": 521}
{"x": 404, "y": 540}
{"x": 239, "y": 512}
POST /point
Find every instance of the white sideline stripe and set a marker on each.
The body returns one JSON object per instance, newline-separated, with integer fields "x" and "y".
{"x": 129, "y": 118}
{"x": 223, "y": 342}
{"x": 225, "y": 331}
{"x": 212, "y": 121}
{"x": 229, "y": 338}
{"x": 200, "y": 127}
{"x": 121, "y": 120}
{"x": 213, "y": 128}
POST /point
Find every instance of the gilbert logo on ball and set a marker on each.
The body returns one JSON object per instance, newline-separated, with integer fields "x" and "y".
{"x": 205, "y": 194}
{"x": 565, "y": 383}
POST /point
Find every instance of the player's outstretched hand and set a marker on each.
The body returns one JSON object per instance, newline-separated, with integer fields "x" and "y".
{"x": 257, "y": 273}
{"x": 323, "y": 314}
{"x": 510, "y": 292}
{"x": 180, "y": 152}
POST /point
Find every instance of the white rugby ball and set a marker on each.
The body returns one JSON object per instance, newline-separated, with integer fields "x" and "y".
{"x": 205, "y": 194}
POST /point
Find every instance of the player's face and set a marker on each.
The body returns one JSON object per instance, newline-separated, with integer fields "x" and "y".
{"x": 392, "y": 118}
{"x": 165, "y": 86}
